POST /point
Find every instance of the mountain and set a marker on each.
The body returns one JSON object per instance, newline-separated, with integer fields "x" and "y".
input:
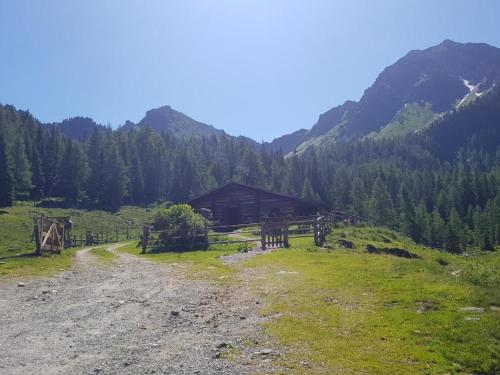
{"x": 77, "y": 127}
{"x": 286, "y": 143}
{"x": 408, "y": 95}
{"x": 167, "y": 120}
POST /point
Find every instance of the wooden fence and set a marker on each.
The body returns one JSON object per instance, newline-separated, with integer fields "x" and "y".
{"x": 54, "y": 234}
{"x": 272, "y": 232}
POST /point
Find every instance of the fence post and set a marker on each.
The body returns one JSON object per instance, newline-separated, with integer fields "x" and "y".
{"x": 206, "y": 235}
{"x": 285, "y": 235}
{"x": 36, "y": 233}
{"x": 315, "y": 231}
{"x": 145, "y": 238}
{"x": 263, "y": 236}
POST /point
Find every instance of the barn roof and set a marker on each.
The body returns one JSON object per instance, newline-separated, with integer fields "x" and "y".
{"x": 282, "y": 195}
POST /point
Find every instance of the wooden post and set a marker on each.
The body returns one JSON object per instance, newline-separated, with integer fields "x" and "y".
{"x": 315, "y": 231}
{"x": 206, "y": 235}
{"x": 263, "y": 236}
{"x": 36, "y": 233}
{"x": 127, "y": 233}
{"x": 285, "y": 235}
{"x": 145, "y": 238}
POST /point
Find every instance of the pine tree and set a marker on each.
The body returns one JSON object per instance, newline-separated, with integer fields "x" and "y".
{"x": 37, "y": 178}
{"x": 358, "y": 196}
{"x": 422, "y": 224}
{"x": 454, "y": 240}
{"x": 22, "y": 171}
{"x": 308, "y": 192}
{"x": 53, "y": 151}
{"x": 74, "y": 172}
{"x": 6, "y": 178}
{"x": 381, "y": 206}
{"x": 439, "y": 231}
{"x": 116, "y": 179}
{"x": 406, "y": 212}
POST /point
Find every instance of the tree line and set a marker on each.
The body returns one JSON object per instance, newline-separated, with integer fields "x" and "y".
{"x": 441, "y": 187}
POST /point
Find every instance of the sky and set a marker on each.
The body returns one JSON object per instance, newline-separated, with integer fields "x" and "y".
{"x": 260, "y": 68}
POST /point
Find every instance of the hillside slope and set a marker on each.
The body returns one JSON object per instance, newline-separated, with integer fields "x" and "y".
{"x": 409, "y": 94}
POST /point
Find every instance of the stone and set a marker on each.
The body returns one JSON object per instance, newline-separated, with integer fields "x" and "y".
{"x": 266, "y": 352}
{"x": 222, "y": 344}
{"x": 494, "y": 308}
{"x": 472, "y": 309}
{"x": 472, "y": 318}
{"x": 174, "y": 312}
{"x": 346, "y": 244}
{"x": 20, "y": 284}
{"x": 456, "y": 273}
{"x": 424, "y": 306}
{"x": 372, "y": 249}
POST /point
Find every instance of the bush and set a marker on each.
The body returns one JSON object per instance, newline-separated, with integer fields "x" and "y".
{"x": 179, "y": 224}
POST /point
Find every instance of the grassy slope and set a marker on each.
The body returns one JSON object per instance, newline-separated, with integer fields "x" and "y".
{"x": 16, "y": 229}
{"x": 347, "y": 311}
{"x": 412, "y": 118}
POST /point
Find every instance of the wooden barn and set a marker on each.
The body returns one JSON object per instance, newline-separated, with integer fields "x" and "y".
{"x": 236, "y": 203}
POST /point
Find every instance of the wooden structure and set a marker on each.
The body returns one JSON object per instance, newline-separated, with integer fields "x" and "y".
{"x": 50, "y": 233}
{"x": 236, "y": 203}
{"x": 271, "y": 232}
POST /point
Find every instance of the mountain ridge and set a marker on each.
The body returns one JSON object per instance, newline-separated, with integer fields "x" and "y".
{"x": 443, "y": 76}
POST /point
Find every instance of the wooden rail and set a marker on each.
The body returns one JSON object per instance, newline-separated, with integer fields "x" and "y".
{"x": 272, "y": 231}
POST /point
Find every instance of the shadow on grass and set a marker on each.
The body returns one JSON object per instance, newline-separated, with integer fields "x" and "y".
{"x": 83, "y": 205}
{"x": 177, "y": 248}
{"x": 20, "y": 256}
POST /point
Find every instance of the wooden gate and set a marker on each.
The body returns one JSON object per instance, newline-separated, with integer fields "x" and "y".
{"x": 274, "y": 233}
{"x": 49, "y": 234}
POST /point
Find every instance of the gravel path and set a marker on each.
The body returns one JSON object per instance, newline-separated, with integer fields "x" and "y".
{"x": 244, "y": 255}
{"x": 132, "y": 317}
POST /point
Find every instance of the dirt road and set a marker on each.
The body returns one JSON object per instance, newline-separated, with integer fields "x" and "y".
{"x": 131, "y": 317}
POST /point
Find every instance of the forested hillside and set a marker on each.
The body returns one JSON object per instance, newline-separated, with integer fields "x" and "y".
{"x": 442, "y": 187}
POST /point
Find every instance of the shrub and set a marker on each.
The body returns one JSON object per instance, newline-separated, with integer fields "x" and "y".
{"x": 179, "y": 224}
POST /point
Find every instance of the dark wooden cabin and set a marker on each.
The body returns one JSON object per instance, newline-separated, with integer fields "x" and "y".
{"x": 236, "y": 203}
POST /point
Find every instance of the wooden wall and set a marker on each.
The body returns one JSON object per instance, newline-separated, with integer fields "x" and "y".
{"x": 253, "y": 204}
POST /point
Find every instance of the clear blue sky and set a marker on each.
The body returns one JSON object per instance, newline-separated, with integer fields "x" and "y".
{"x": 260, "y": 68}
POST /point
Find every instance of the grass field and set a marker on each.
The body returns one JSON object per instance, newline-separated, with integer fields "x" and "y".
{"x": 346, "y": 311}
{"x": 16, "y": 229}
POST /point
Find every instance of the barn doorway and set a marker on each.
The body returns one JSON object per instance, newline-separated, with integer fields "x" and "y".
{"x": 233, "y": 215}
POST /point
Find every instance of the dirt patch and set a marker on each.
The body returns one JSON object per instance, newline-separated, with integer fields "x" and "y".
{"x": 130, "y": 317}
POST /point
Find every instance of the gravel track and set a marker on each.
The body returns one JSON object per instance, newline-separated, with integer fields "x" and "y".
{"x": 130, "y": 317}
